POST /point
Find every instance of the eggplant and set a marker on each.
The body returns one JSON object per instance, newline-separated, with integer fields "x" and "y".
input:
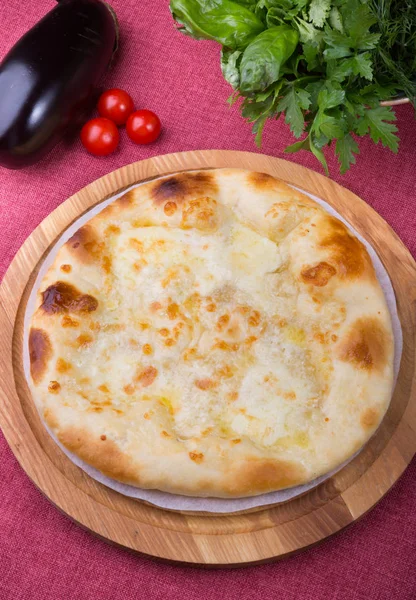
{"x": 47, "y": 79}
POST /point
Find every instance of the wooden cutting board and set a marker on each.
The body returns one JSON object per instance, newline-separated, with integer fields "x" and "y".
{"x": 246, "y": 538}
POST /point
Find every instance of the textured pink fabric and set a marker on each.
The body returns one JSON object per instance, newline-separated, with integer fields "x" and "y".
{"x": 42, "y": 554}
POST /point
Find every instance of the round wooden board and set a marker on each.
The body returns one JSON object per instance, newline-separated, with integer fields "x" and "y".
{"x": 201, "y": 539}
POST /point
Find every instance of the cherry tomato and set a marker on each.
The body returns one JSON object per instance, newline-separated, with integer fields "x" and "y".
{"x": 115, "y": 105}
{"x": 143, "y": 126}
{"x": 100, "y": 136}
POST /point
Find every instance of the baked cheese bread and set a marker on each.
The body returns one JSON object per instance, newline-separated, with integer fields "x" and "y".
{"x": 212, "y": 333}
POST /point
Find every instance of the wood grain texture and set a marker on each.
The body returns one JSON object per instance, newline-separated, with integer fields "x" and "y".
{"x": 232, "y": 540}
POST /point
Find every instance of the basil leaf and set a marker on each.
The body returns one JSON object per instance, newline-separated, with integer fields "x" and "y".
{"x": 285, "y": 4}
{"x": 250, "y": 4}
{"x": 275, "y": 17}
{"x": 224, "y": 21}
{"x": 281, "y": 11}
{"x": 264, "y": 57}
{"x": 229, "y": 67}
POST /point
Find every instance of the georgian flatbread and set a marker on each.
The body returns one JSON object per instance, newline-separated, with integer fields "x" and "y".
{"x": 212, "y": 333}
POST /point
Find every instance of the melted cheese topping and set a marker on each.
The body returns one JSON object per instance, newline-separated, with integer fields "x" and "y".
{"x": 201, "y": 312}
{"x": 208, "y": 331}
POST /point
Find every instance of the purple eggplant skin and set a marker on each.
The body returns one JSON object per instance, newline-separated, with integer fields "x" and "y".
{"x": 48, "y": 77}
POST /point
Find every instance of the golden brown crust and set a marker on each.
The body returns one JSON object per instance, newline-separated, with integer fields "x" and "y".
{"x": 123, "y": 205}
{"x": 84, "y": 245}
{"x": 261, "y": 181}
{"x": 103, "y": 454}
{"x": 51, "y": 419}
{"x": 257, "y": 475}
{"x": 345, "y": 251}
{"x": 126, "y": 200}
{"x": 183, "y": 186}
{"x": 366, "y": 345}
{"x": 40, "y": 353}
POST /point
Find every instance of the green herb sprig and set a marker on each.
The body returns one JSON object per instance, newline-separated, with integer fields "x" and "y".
{"x": 324, "y": 65}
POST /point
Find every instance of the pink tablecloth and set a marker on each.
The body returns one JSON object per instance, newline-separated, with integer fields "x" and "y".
{"x": 42, "y": 554}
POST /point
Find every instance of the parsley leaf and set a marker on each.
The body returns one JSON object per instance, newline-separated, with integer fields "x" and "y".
{"x": 314, "y": 88}
{"x": 368, "y": 42}
{"x": 318, "y": 11}
{"x": 319, "y": 155}
{"x": 301, "y": 145}
{"x": 252, "y": 110}
{"x": 258, "y": 129}
{"x": 378, "y": 122}
{"x": 360, "y": 64}
{"x": 330, "y": 98}
{"x": 310, "y": 53}
{"x": 292, "y": 104}
{"x": 321, "y": 140}
{"x": 231, "y": 100}
{"x": 345, "y": 149}
{"x": 357, "y": 20}
{"x": 339, "y": 44}
{"x": 372, "y": 94}
{"x": 330, "y": 127}
{"x": 335, "y": 19}
{"x": 260, "y": 110}
{"x": 307, "y": 32}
